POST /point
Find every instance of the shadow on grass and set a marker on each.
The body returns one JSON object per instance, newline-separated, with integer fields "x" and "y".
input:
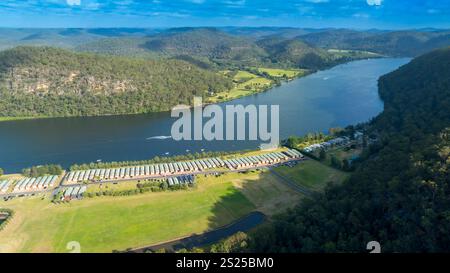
{"x": 243, "y": 224}
{"x": 231, "y": 213}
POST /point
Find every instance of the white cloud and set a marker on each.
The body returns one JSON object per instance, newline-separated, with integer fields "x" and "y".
{"x": 374, "y": 2}
{"x": 73, "y": 2}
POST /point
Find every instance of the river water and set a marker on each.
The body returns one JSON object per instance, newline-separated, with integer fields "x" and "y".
{"x": 343, "y": 95}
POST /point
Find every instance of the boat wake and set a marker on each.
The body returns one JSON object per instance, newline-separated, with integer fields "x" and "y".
{"x": 158, "y": 137}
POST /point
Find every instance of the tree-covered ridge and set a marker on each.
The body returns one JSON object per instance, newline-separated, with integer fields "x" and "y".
{"x": 136, "y": 74}
{"x": 44, "y": 81}
{"x": 214, "y": 48}
{"x": 132, "y": 40}
{"x": 400, "y": 194}
{"x": 296, "y": 53}
{"x": 391, "y": 43}
{"x": 118, "y": 46}
{"x": 208, "y": 42}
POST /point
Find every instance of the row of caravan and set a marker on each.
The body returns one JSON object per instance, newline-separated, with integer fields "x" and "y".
{"x": 74, "y": 192}
{"x": 4, "y": 185}
{"x": 179, "y": 168}
{"x": 144, "y": 171}
{"x": 35, "y": 183}
{"x": 263, "y": 159}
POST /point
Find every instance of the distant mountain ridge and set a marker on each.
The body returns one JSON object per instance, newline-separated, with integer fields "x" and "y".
{"x": 407, "y": 43}
{"x": 139, "y": 66}
{"x": 223, "y": 49}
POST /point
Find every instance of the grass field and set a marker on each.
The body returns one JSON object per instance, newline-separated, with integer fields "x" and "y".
{"x": 246, "y": 84}
{"x": 128, "y": 185}
{"x": 244, "y": 75}
{"x": 312, "y": 174}
{"x": 279, "y": 73}
{"x": 117, "y": 223}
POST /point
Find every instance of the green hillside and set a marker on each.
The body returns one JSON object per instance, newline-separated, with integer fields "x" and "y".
{"x": 42, "y": 81}
{"x": 392, "y": 43}
{"x": 400, "y": 195}
{"x": 213, "y": 48}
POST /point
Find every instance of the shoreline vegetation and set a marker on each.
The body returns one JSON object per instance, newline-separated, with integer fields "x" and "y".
{"x": 246, "y": 84}
{"x": 238, "y": 82}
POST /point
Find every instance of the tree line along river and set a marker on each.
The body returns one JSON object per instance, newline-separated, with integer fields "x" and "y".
{"x": 340, "y": 96}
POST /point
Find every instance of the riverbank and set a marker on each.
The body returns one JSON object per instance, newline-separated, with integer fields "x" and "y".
{"x": 253, "y": 80}
{"x": 344, "y": 95}
{"x": 246, "y": 84}
{"x": 19, "y": 118}
{"x": 256, "y": 80}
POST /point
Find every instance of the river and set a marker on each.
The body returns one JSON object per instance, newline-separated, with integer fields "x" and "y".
{"x": 340, "y": 96}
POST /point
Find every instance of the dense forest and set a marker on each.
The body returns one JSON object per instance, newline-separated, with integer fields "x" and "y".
{"x": 402, "y": 43}
{"x": 129, "y": 71}
{"x": 219, "y": 49}
{"x": 400, "y": 194}
{"x": 130, "y": 74}
{"x": 44, "y": 81}
{"x": 142, "y": 41}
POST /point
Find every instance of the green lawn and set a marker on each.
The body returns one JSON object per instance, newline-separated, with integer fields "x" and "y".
{"x": 104, "y": 224}
{"x": 241, "y": 74}
{"x": 312, "y": 174}
{"x": 128, "y": 185}
{"x": 246, "y": 84}
{"x": 262, "y": 188}
{"x": 108, "y": 223}
{"x": 290, "y": 73}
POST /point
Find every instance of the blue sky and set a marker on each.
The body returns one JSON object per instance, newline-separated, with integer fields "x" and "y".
{"x": 384, "y": 14}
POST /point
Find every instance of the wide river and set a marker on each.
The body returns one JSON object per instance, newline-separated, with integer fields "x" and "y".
{"x": 343, "y": 95}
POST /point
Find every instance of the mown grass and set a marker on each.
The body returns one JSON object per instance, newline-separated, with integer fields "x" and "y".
{"x": 117, "y": 223}
{"x": 279, "y": 73}
{"x": 312, "y": 174}
{"x": 246, "y": 83}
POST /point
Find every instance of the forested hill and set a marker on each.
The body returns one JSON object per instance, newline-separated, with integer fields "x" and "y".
{"x": 218, "y": 49}
{"x": 44, "y": 81}
{"x": 400, "y": 195}
{"x": 409, "y": 43}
